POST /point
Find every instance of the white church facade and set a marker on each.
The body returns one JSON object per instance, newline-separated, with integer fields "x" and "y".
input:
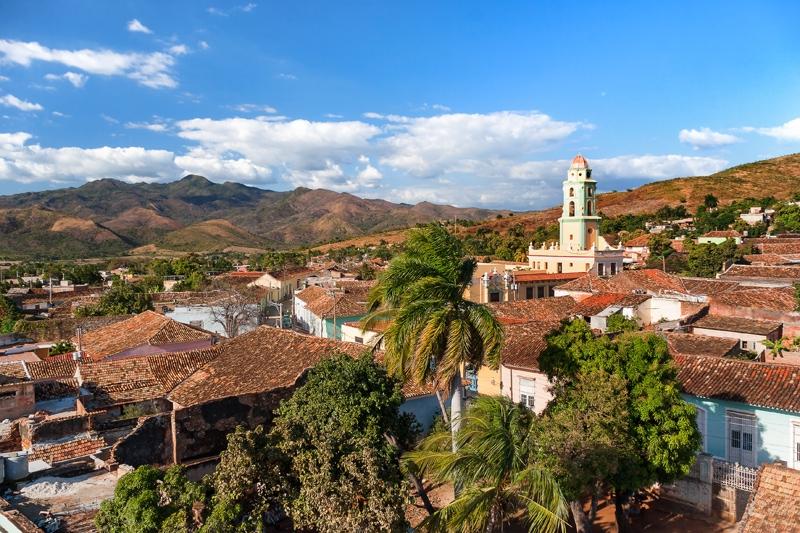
{"x": 581, "y": 248}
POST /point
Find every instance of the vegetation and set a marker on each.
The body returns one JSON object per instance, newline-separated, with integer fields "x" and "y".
{"x": 61, "y": 347}
{"x": 661, "y": 426}
{"x": 434, "y": 331}
{"x": 776, "y": 347}
{"x": 491, "y": 468}
{"x": 619, "y": 323}
{"x": 707, "y": 259}
{"x": 8, "y": 314}
{"x": 787, "y": 219}
{"x": 121, "y": 299}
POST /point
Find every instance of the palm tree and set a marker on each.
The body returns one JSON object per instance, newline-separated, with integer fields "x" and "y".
{"x": 433, "y": 330}
{"x": 491, "y": 465}
{"x": 776, "y": 347}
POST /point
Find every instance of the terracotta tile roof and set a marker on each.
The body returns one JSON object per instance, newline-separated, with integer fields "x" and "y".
{"x": 539, "y": 309}
{"x": 596, "y": 303}
{"x": 691, "y": 344}
{"x": 767, "y": 272}
{"x": 770, "y": 385}
{"x": 13, "y": 372}
{"x": 350, "y": 299}
{"x": 727, "y": 234}
{"x": 678, "y": 245}
{"x": 524, "y": 343}
{"x": 139, "y": 378}
{"x": 773, "y": 505}
{"x": 638, "y": 242}
{"x": 291, "y": 273}
{"x": 707, "y": 286}
{"x": 792, "y": 247}
{"x": 739, "y": 325}
{"x": 772, "y": 259}
{"x": 260, "y": 360}
{"x": 544, "y": 276}
{"x": 775, "y": 299}
{"x": 651, "y": 280}
{"x": 148, "y": 328}
{"x": 378, "y": 327}
{"x": 60, "y": 368}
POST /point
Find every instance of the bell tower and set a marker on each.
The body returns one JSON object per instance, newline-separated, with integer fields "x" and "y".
{"x": 579, "y": 223}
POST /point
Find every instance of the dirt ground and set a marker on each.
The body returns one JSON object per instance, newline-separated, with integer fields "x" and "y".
{"x": 655, "y": 516}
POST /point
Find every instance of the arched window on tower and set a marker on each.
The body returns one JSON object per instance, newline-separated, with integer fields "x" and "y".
{"x": 589, "y": 192}
{"x": 571, "y": 192}
{"x": 589, "y": 208}
{"x": 572, "y": 209}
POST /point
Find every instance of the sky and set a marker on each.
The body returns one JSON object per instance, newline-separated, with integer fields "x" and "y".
{"x": 466, "y": 103}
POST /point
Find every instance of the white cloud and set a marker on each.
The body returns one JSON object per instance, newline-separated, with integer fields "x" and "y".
{"x": 286, "y": 76}
{"x": 109, "y": 118}
{"x": 76, "y": 79}
{"x": 150, "y": 126}
{"x": 295, "y": 144}
{"x": 788, "y": 131}
{"x": 9, "y": 100}
{"x": 216, "y": 11}
{"x": 459, "y": 142}
{"x": 137, "y": 27}
{"x": 706, "y": 138}
{"x": 4, "y": 78}
{"x": 332, "y": 115}
{"x": 254, "y": 108}
{"x": 199, "y": 161}
{"x": 178, "y": 50}
{"x": 151, "y": 70}
{"x": 331, "y": 176}
{"x": 59, "y": 114}
{"x": 203, "y": 44}
{"x": 247, "y": 8}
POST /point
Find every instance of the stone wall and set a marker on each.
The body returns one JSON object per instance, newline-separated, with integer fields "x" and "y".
{"x": 695, "y": 488}
{"x": 16, "y": 400}
{"x": 201, "y": 430}
{"x": 53, "y": 429}
{"x": 150, "y": 442}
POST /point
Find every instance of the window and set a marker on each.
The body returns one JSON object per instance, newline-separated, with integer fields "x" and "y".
{"x": 360, "y": 340}
{"x": 494, "y": 296}
{"x": 550, "y": 291}
{"x": 196, "y": 323}
{"x": 589, "y": 208}
{"x": 527, "y": 391}
{"x": 796, "y": 448}
{"x": 572, "y": 209}
{"x": 613, "y": 268}
{"x": 560, "y": 268}
{"x": 601, "y": 269}
{"x": 540, "y": 292}
{"x": 701, "y": 426}
{"x": 570, "y": 236}
{"x": 571, "y": 192}
{"x": 744, "y": 345}
{"x": 528, "y": 293}
{"x": 589, "y": 192}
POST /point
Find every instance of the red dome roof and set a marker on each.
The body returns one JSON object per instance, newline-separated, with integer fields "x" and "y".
{"x": 580, "y": 162}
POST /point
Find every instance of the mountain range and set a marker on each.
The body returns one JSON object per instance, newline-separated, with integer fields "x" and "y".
{"x": 107, "y": 217}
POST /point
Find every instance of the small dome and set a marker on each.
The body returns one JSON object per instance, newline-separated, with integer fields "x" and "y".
{"x": 579, "y": 162}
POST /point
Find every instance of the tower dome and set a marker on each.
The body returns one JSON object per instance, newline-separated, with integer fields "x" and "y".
{"x": 579, "y": 162}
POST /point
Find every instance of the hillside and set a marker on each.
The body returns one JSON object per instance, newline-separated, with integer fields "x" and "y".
{"x": 194, "y": 214}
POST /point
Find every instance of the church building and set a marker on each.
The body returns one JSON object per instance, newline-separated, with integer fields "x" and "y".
{"x": 581, "y": 248}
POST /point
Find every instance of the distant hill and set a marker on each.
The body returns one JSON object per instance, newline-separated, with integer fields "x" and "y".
{"x": 107, "y": 217}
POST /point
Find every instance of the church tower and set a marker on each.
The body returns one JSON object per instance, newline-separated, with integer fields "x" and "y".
{"x": 579, "y": 223}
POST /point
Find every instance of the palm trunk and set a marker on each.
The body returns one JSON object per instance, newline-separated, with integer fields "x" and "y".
{"x": 456, "y": 405}
{"x": 491, "y": 524}
{"x": 423, "y": 495}
{"x": 582, "y": 523}
{"x": 623, "y": 526}
{"x": 445, "y": 416}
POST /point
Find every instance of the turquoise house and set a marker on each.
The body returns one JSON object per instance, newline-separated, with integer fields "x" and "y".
{"x": 748, "y": 412}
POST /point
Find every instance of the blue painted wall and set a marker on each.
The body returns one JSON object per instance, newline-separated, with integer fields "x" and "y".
{"x": 329, "y": 331}
{"x": 424, "y": 409}
{"x": 773, "y": 429}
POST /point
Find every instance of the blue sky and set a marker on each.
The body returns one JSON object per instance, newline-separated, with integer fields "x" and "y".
{"x": 468, "y": 103}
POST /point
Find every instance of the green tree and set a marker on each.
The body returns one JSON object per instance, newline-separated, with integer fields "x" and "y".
{"x": 662, "y": 427}
{"x": 194, "y": 281}
{"x": 148, "y": 500}
{"x": 61, "y": 347}
{"x": 776, "y": 347}
{"x": 577, "y": 438}
{"x": 151, "y": 284}
{"x": 338, "y": 430}
{"x": 618, "y": 323}
{"x": 710, "y": 201}
{"x": 490, "y": 465}
{"x": 707, "y": 259}
{"x": 121, "y": 299}
{"x": 251, "y": 483}
{"x": 787, "y": 219}
{"x": 434, "y": 329}
{"x": 8, "y": 314}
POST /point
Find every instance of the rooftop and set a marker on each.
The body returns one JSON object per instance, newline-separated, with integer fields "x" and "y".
{"x": 598, "y": 302}
{"x": 524, "y": 343}
{"x": 768, "y": 385}
{"x": 691, "y": 344}
{"x": 579, "y": 162}
{"x": 650, "y": 280}
{"x": 739, "y": 325}
{"x": 544, "y": 276}
{"x": 350, "y": 299}
{"x": 785, "y": 247}
{"x": 147, "y": 328}
{"x": 775, "y": 299}
{"x": 260, "y": 360}
{"x": 726, "y": 234}
{"x": 539, "y": 309}
{"x": 636, "y": 242}
{"x": 765, "y": 272}
{"x": 708, "y": 286}
{"x": 773, "y": 505}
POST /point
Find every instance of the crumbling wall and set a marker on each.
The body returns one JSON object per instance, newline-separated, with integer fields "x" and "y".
{"x": 150, "y": 442}
{"x": 200, "y": 431}
{"x": 64, "y": 451}
{"x": 16, "y": 400}
{"x": 53, "y": 428}
{"x": 10, "y": 439}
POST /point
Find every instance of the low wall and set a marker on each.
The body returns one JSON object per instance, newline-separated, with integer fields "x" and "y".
{"x": 695, "y": 488}
{"x": 53, "y": 429}
{"x": 64, "y": 451}
{"x": 17, "y": 399}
